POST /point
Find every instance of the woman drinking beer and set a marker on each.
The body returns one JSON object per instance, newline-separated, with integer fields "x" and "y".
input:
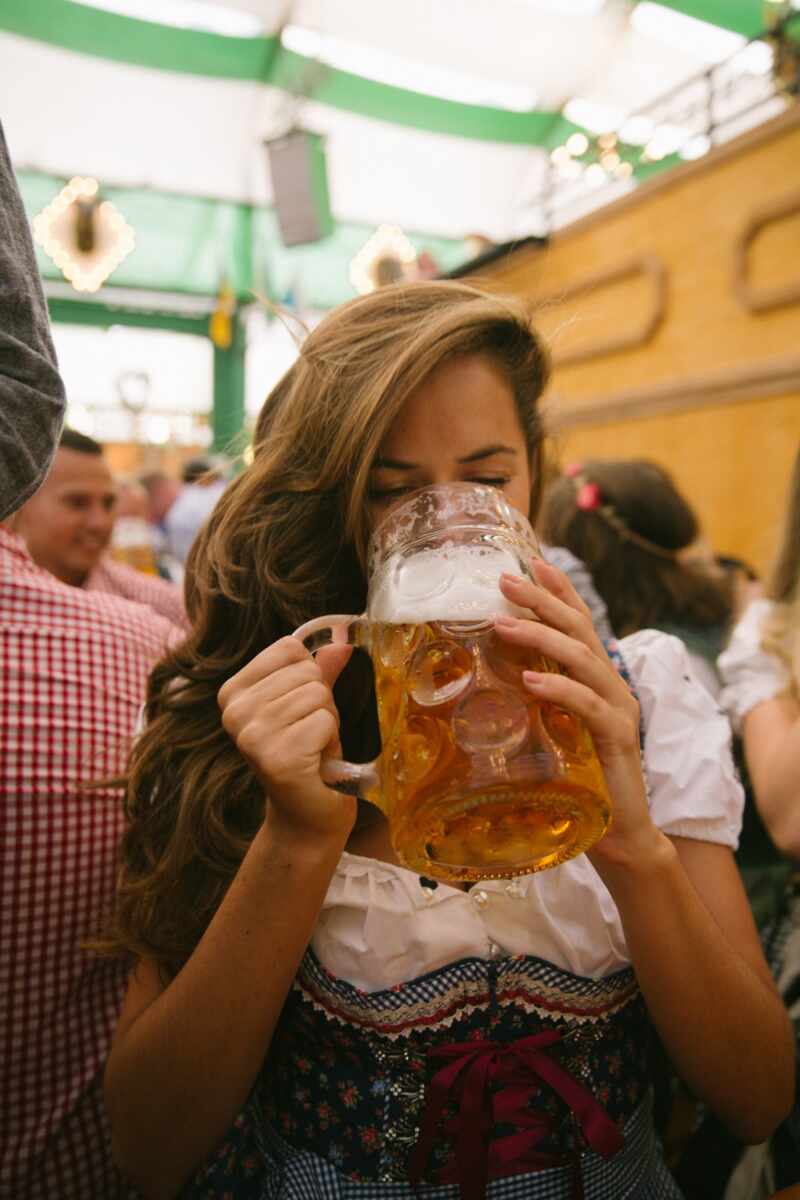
{"x": 306, "y": 1016}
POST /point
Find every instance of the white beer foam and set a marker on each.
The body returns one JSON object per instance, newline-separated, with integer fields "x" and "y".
{"x": 460, "y": 583}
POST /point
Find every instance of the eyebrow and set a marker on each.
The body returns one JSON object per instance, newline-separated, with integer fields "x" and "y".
{"x": 397, "y": 464}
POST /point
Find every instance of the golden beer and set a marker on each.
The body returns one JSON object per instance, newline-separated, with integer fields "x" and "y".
{"x": 479, "y": 778}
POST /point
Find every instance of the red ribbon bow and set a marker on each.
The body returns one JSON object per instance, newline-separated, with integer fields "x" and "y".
{"x": 520, "y": 1067}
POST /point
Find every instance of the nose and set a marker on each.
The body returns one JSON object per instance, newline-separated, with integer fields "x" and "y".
{"x": 100, "y": 519}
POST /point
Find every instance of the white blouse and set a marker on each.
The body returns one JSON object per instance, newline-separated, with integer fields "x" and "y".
{"x": 750, "y": 674}
{"x": 379, "y": 926}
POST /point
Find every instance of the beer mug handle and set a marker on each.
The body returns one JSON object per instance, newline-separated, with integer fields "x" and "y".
{"x": 355, "y": 779}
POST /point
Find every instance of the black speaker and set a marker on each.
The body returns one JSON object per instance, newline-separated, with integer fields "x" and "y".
{"x": 300, "y": 187}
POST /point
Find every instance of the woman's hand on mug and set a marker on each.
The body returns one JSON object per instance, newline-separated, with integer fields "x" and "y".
{"x": 280, "y": 712}
{"x": 592, "y": 688}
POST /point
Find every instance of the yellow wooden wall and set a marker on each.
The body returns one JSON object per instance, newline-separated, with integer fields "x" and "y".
{"x": 673, "y": 317}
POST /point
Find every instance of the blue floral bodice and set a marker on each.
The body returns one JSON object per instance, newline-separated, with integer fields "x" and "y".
{"x": 549, "y": 1071}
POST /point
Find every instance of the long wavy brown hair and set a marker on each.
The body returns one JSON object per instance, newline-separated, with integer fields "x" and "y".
{"x": 286, "y": 542}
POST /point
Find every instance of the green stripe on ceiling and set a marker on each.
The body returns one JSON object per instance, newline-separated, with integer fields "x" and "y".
{"x": 90, "y": 312}
{"x": 88, "y": 30}
{"x": 740, "y": 16}
{"x": 384, "y": 102}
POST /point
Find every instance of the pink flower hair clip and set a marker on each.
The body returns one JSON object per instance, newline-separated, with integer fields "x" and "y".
{"x": 589, "y": 498}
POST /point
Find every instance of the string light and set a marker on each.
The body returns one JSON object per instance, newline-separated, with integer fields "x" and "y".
{"x": 560, "y": 155}
{"x": 696, "y": 147}
{"x": 595, "y": 175}
{"x": 571, "y": 169}
{"x": 577, "y": 144}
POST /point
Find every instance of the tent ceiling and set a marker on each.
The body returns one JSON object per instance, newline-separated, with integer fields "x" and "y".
{"x": 84, "y": 90}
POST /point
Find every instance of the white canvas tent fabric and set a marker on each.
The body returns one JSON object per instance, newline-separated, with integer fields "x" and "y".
{"x": 438, "y": 117}
{"x": 423, "y": 164}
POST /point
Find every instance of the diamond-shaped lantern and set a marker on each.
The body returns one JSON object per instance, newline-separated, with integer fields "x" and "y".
{"x": 385, "y": 258}
{"x": 85, "y": 236}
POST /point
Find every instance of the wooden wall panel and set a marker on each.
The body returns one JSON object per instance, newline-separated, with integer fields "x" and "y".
{"x": 768, "y": 256}
{"x": 733, "y": 463}
{"x": 711, "y": 384}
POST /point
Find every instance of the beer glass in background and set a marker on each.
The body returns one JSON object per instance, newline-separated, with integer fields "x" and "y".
{"x": 478, "y": 779}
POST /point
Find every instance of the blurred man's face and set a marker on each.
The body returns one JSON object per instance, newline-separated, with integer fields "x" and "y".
{"x": 67, "y": 525}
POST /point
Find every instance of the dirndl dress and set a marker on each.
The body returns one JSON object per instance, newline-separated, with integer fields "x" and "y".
{"x": 503, "y": 1079}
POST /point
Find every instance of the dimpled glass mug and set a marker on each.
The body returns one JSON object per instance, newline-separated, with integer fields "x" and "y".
{"x": 478, "y": 779}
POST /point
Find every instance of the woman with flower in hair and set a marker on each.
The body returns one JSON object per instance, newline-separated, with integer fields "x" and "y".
{"x": 305, "y": 1016}
{"x": 637, "y": 535}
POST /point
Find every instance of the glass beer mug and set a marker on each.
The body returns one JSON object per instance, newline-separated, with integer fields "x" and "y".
{"x": 478, "y": 778}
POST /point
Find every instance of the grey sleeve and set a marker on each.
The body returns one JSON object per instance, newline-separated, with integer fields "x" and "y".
{"x": 581, "y": 579}
{"x": 32, "y": 399}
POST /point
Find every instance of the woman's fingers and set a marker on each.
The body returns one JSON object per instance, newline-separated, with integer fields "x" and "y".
{"x": 294, "y": 748}
{"x": 279, "y": 699}
{"x": 332, "y": 660}
{"x": 582, "y": 662}
{"x": 277, "y": 683}
{"x": 592, "y": 688}
{"x": 559, "y": 584}
{"x": 283, "y": 653}
{"x": 280, "y": 712}
{"x": 293, "y": 706}
{"x": 554, "y": 600}
{"x": 612, "y": 727}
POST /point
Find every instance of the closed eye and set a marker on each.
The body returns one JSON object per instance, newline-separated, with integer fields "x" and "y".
{"x": 388, "y": 493}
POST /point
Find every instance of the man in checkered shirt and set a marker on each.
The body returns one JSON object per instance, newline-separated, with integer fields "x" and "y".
{"x": 74, "y": 670}
{"x": 67, "y": 527}
{"x": 73, "y": 667}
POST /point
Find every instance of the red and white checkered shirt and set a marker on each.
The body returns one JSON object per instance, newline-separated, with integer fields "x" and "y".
{"x": 118, "y": 579}
{"x": 73, "y": 668}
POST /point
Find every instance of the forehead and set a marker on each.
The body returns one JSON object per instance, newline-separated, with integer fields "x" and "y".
{"x": 73, "y": 470}
{"x": 465, "y": 399}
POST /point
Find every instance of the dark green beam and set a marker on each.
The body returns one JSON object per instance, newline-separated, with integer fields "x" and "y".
{"x": 91, "y": 312}
{"x": 229, "y": 412}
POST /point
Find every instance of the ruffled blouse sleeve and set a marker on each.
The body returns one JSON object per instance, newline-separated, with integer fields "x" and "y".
{"x": 749, "y": 674}
{"x": 695, "y": 791}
